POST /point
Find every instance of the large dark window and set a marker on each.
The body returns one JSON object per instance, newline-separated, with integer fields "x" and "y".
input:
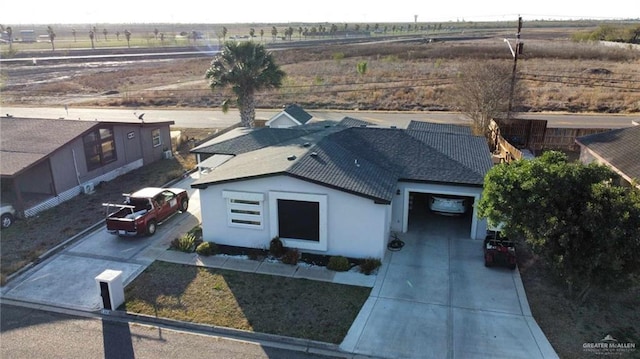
{"x": 299, "y": 219}
{"x": 99, "y": 148}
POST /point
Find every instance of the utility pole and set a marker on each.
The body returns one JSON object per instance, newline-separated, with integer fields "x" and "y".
{"x": 515, "y": 52}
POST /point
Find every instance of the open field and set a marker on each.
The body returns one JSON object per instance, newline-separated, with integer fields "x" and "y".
{"x": 413, "y": 74}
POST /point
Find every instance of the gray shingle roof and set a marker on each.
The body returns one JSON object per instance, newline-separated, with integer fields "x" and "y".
{"x": 354, "y": 122}
{"x": 620, "y": 148}
{"x": 26, "y": 141}
{"x": 363, "y": 160}
{"x": 332, "y": 165}
{"x": 439, "y": 127}
{"x": 255, "y": 140}
{"x": 298, "y": 113}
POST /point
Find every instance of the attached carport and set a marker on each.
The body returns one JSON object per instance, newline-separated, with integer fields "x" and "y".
{"x": 410, "y": 209}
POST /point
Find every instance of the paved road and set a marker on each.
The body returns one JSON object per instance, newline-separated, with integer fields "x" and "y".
{"x": 31, "y": 333}
{"x": 214, "y": 118}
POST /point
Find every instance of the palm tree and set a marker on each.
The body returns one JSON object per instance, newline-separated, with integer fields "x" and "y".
{"x": 52, "y": 36}
{"x": 246, "y": 67}
{"x": 9, "y": 31}
{"x": 91, "y": 36}
{"x": 105, "y": 32}
{"x": 73, "y": 31}
{"x": 127, "y": 35}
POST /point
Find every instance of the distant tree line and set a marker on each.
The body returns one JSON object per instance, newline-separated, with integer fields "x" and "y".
{"x": 627, "y": 34}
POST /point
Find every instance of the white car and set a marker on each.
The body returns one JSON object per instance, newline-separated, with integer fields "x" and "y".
{"x": 448, "y": 205}
{"x": 8, "y": 215}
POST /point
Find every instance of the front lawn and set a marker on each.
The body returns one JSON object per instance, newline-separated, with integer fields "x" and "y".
{"x": 285, "y": 306}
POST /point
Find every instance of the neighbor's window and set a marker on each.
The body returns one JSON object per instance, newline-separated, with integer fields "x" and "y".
{"x": 99, "y": 148}
{"x": 244, "y": 209}
{"x": 155, "y": 137}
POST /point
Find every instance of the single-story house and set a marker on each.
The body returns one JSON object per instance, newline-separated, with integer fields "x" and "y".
{"x": 45, "y": 162}
{"x": 337, "y": 189}
{"x": 617, "y": 149}
{"x": 292, "y": 115}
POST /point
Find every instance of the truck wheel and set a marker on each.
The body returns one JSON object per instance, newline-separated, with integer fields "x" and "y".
{"x": 151, "y": 228}
{"x": 7, "y": 220}
{"x": 184, "y": 205}
{"x": 488, "y": 260}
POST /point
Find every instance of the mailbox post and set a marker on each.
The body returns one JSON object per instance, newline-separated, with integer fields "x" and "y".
{"x": 111, "y": 288}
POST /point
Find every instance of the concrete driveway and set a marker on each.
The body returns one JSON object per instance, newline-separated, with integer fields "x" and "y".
{"x": 435, "y": 299}
{"x": 67, "y": 279}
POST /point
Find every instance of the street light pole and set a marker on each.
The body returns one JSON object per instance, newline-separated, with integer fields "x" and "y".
{"x": 515, "y": 52}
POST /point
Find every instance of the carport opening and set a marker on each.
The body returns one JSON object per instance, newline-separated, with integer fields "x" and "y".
{"x": 433, "y": 213}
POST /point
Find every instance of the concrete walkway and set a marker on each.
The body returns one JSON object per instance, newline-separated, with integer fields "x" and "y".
{"x": 435, "y": 299}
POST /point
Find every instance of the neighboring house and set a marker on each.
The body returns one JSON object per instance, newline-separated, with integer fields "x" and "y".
{"x": 45, "y": 162}
{"x": 617, "y": 149}
{"x": 292, "y": 115}
{"x": 335, "y": 189}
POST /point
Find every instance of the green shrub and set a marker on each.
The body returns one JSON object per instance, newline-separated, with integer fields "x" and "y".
{"x": 276, "y": 248}
{"x": 207, "y": 249}
{"x": 369, "y": 265}
{"x": 196, "y": 231}
{"x": 338, "y": 264}
{"x": 186, "y": 243}
{"x": 291, "y": 256}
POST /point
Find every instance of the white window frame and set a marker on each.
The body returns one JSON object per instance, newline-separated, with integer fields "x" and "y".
{"x": 321, "y": 199}
{"x": 156, "y": 140}
{"x": 244, "y": 209}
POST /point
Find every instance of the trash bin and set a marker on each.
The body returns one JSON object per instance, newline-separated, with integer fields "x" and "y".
{"x": 111, "y": 288}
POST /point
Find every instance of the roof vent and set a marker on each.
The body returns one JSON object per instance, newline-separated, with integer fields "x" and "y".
{"x": 306, "y": 144}
{"x": 291, "y": 157}
{"x": 394, "y": 126}
{"x": 363, "y": 125}
{"x": 313, "y": 154}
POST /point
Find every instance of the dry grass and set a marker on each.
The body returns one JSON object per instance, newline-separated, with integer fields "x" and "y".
{"x": 559, "y": 75}
{"x": 262, "y": 303}
{"x": 567, "y": 323}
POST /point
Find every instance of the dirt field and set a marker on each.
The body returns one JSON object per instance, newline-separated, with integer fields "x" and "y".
{"x": 559, "y": 76}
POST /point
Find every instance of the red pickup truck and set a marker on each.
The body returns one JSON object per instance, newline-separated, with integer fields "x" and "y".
{"x": 143, "y": 210}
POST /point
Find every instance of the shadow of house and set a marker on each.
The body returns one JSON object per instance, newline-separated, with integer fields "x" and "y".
{"x": 46, "y": 162}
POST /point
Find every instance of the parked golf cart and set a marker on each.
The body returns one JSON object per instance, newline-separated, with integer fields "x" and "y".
{"x": 498, "y": 249}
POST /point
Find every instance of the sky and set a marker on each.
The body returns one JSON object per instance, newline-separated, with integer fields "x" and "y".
{"x": 283, "y": 11}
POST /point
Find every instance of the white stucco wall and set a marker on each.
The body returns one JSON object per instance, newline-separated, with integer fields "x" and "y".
{"x": 400, "y": 205}
{"x": 356, "y": 226}
{"x": 281, "y": 120}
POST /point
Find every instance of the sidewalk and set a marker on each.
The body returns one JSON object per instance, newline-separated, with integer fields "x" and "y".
{"x": 266, "y": 266}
